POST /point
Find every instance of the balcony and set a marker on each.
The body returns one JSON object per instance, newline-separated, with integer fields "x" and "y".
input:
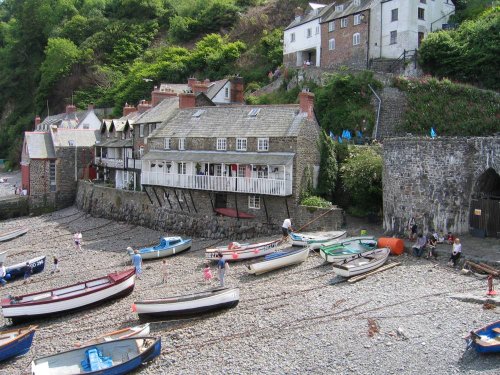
{"x": 110, "y": 163}
{"x": 265, "y": 186}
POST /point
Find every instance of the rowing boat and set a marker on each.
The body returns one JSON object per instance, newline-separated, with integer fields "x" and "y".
{"x": 37, "y": 265}
{"x": 278, "y": 260}
{"x": 108, "y": 358}
{"x": 168, "y": 246}
{"x": 346, "y": 249}
{"x": 486, "y": 339}
{"x": 362, "y": 263}
{"x": 125, "y": 333}
{"x": 11, "y": 234}
{"x": 314, "y": 241}
{"x": 235, "y": 251}
{"x": 70, "y": 298}
{"x": 16, "y": 342}
{"x": 191, "y": 304}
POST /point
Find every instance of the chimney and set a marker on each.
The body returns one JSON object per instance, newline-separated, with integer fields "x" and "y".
{"x": 70, "y": 108}
{"x": 128, "y": 109}
{"x": 90, "y": 107}
{"x": 38, "y": 121}
{"x": 163, "y": 92}
{"x": 237, "y": 89}
{"x": 143, "y": 106}
{"x": 206, "y": 81}
{"x": 306, "y": 100}
{"x": 191, "y": 82}
{"x": 299, "y": 12}
{"x": 187, "y": 100}
{"x": 200, "y": 87}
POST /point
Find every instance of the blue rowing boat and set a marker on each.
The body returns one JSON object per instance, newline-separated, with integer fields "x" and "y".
{"x": 167, "y": 246}
{"x": 16, "y": 342}
{"x": 485, "y": 340}
{"x": 108, "y": 358}
{"x": 17, "y": 270}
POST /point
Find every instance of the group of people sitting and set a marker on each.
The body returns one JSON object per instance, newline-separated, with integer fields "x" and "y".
{"x": 428, "y": 243}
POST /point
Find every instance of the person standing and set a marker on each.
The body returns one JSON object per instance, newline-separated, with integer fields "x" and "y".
{"x": 164, "y": 271}
{"x": 286, "y": 228}
{"x": 27, "y": 273}
{"x": 137, "y": 262}
{"x": 55, "y": 266}
{"x": 207, "y": 274}
{"x": 456, "y": 252}
{"x": 221, "y": 268}
{"x": 3, "y": 274}
{"x": 78, "y": 240}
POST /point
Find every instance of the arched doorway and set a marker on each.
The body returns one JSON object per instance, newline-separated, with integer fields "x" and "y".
{"x": 485, "y": 205}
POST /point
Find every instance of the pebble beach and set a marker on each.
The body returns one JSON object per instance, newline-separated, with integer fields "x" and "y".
{"x": 297, "y": 320}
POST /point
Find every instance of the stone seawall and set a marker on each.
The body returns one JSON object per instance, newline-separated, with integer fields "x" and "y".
{"x": 195, "y": 217}
{"x": 14, "y": 206}
{"x": 433, "y": 180}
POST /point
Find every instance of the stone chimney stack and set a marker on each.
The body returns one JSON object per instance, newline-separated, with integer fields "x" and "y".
{"x": 187, "y": 100}
{"x": 143, "y": 106}
{"x": 200, "y": 87}
{"x": 237, "y": 90}
{"x": 160, "y": 93}
{"x": 191, "y": 82}
{"x": 38, "y": 121}
{"x": 299, "y": 12}
{"x": 70, "y": 108}
{"x": 306, "y": 100}
{"x": 90, "y": 107}
{"x": 128, "y": 109}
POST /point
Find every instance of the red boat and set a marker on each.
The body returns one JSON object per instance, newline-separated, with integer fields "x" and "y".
{"x": 70, "y": 298}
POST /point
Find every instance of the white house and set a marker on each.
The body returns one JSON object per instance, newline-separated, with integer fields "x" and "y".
{"x": 302, "y": 39}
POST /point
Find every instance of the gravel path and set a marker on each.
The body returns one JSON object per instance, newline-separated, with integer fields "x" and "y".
{"x": 293, "y": 321}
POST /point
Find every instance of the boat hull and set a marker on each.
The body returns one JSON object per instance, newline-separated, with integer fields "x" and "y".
{"x": 19, "y": 346}
{"x": 295, "y": 257}
{"x": 7, "y": 236}
{"x": 248, "y": 252}
{"x": 485, "y": 339}
{"x": 150, "y": 253}
{"x": 16, "y": 271}
{"x": 314, "y": 242}
{"x": 358, "y": 269}
{"x": 155, "y": 309}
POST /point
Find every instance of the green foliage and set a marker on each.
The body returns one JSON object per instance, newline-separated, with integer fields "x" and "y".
{"x": 307, "y": 188}
{"x": 468, "y": 54}
{"x": 451, "y": 109}
{"x": 362, "y": 177}
{"x": 351, "y": 108}
{"x": 314, "y": 201}
{"x": 468, "y": 10}
{"x": 328, "y": 167}
{"x": 281, "y": 96}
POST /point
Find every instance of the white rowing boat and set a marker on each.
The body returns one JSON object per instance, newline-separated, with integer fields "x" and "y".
{"x": 125, "y": 333}
{"x": 362, "y": 263}
{"x": 278, "y": 260}
{"x": 235, "y": 251}
{"x": 314, "y": 241}
{"x": 9, "y": 235}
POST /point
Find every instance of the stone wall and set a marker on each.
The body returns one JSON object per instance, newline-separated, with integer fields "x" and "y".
{"x": 15, "y": 206}
{"x": 433, "y": 180}
{"x": 191, "y": 212}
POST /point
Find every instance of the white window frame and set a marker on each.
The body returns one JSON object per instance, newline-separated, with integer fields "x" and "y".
{"x": 263, "y": 144}
{"x": 394, "y": 37}
{"x": 241, "y": 144}
{"x": 226, "y": 92}
{"x": 317, "y": 30}
{"x": 356, "y": 39}
{"x": 218, "y": 170}
{"x": 166, "y": 144}
{"x": 254, "y": 202}
{"x": 331, "y": 44}
{"x": 309, "y": 32}
{"x": 181, "y": 167}
{"x": 182, "y": 143}
{"x": 343, "y": 23}
{"x": 141, "y": 151}
{"x": 394, "y": 14}
{"x": 221, "y": 144}
{"x": 339, "y": 8}
{"x": 357, "y": 19}
{"x": 141, "y": 130}
{"x": 331, "y": 26}
{"x": 292, "y": 37}
{"x": 241, "y": 170}
{"x": 357, "y": 2}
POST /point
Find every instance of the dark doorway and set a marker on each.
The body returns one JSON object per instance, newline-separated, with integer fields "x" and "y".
{"x": 485, "y": 205}
{"x": 220, "y": 200}
{"x": 420, "y": 38}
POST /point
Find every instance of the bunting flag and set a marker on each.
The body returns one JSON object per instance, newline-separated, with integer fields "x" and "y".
{"x": 347, "y": 135}
{"x": 340, "y": 139}
{"x": 331, "y": 135}
{"x": 359, "y": 134}
{"x": 433, "y": 133}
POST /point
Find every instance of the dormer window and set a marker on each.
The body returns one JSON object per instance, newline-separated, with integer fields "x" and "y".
{"x": 263, "y": 144}
{"x": 356, "y": 2}
{"x": 339, "y": 8}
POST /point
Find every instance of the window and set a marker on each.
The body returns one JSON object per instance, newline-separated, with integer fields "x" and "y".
{"x": 151, "y": 128}
{"x": 221, "y": 144}
{"x": 394, "y": 37}
{"x": 141, "y": 130}
{"x": 331, "y": 26}
{"x": 254, "y": 202}
{"x": 317, "y": 30}
{"x": 52, "y": 175}
{"x": 357, "y": 19}
{"x": 182, "y": 143}
{"x": 423, "y": 1}
{"x": 421, "y": 13}
{"x": 343, "y": 22}
{"x": 71, "y": 143}
{"x": 226, "y": 92}
{"x": 339, "y": 8}
{"x": 331, "y": 44}
{"x": 141, "y": 151}
{"x": 241, "y": 144}
{"x": 356, "y": 39}
{"x": 357, "y": 3}
{"x": 292, "y": 37}
{"x": 218, "y": 170}
{"x": 309, "y": 32}
{"x": 241, "y": 170}
{"x": 166, "y": 144}
{"x": 263, "y": 144}
{"x": 181, "y": 168}
{"x": 394, "y": 15}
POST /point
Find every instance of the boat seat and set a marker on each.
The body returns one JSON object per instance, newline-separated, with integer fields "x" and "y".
{"x": 496, "y": 330}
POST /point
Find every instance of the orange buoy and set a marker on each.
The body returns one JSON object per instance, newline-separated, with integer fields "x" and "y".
{"x": 396, "y": 245}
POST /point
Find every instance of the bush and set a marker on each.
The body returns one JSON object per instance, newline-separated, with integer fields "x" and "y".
{"x": 314, "y": 201}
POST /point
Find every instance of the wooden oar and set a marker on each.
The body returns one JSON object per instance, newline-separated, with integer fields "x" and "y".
{"x": 365, "y": 275}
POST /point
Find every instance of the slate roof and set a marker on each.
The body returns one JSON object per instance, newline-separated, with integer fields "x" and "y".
{"x": 39, "y": 145}
{"x": 159, "y": 113}
{"x": 349, "y": 8}
{"x": 63, "y": 120}
{"x": 227, "y": 157}
{"x": 311, "y": 15}
{"x": 215, "y": 87}
{"x": 116, "y": 143}
{"x": 234, "y": 121}
{"x": 82, "y": 137}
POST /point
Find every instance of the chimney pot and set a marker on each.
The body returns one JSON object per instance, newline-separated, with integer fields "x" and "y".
{"x": 159, "y": 93}
{"x": 128, "y": 109}
{"x": 70, "y": 108}
{"x": 143, "y": 106}
{"x": 191, "y": 82}
{"x": 306, "y": 100}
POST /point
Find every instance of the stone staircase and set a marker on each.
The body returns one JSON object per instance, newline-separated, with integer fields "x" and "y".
{"x": 391, "y": 112}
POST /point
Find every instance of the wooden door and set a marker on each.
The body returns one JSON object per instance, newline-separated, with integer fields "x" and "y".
{"x": 485, "y": 215}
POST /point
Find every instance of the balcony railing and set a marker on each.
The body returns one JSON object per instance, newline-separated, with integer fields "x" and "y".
{"x": 110, "y": 163}
{"x": 214, "y": 183}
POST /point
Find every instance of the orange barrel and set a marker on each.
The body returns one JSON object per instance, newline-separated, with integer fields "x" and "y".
{"x": 396, "y": 245}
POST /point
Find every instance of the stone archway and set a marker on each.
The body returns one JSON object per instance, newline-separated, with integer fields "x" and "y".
{"x": 484, "y": 218}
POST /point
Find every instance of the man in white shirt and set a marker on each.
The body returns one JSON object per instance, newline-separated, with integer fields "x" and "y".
{"x": 3, "y": 273}
{"x": 286, "y": 228}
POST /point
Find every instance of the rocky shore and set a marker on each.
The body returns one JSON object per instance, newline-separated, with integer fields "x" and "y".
{"x": 296, "y": 320}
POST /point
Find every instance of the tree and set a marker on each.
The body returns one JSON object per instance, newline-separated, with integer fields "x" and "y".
{"x": 327, "y": 177}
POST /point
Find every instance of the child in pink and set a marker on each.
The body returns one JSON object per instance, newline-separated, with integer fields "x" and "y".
{"x": 207, "y": 274}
